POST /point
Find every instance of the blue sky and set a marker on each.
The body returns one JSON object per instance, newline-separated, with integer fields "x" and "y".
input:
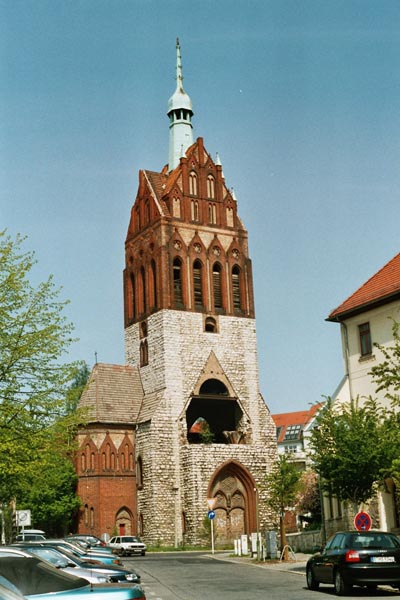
{"x": 299, "y": 98}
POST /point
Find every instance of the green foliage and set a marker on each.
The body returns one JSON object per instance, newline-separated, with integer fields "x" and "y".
{"x": 206, "y": 435}
{"x": 37, "y": 423}
{"x": 387, "y": 374}
{"x": 351, "y": 449}
{"x": 282, "y": 485}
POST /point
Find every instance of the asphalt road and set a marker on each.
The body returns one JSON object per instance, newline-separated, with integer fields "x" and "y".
{"x": 199, "y": 576}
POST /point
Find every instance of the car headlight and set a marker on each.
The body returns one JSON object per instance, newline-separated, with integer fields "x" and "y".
{"x": 131, "y": 577}
{"x": 101, "y": 579}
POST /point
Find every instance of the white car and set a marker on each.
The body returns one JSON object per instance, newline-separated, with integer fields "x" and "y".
{"x": 126, "y": 545}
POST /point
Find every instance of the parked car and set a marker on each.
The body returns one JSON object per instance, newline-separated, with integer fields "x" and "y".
{"x": 127, "y": 545}
{"x": 38, "y": 580}
{"x": 93, "y": 540}
{"x": 31, "y": 534}
{"x": 56, "y": 559}
{"x": 368, "y": 559}
{"x": 88, "y": 547}
{"x": 63, "y": 559}
{"x": 107, "y": 559}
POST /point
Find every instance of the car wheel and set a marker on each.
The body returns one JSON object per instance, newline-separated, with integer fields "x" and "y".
{"x": 312, "y": 583}
{"x": 341, "y": 587}
{"x": 122, "y": 552}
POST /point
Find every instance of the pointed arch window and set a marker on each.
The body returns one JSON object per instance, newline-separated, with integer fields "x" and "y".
{"x": 176, "y": 207}
{"x": 153, "y": 285}
{"x": 139, "y": 473}
{"x": 217, "y": 285}
{"x": 144, "y": 353}
{"x": 143, "y": 286}
{"x": 194, "y": 210}
{"x": 133, "y": 296}
{"x": 212, "y": 213}
{"x": 229, "y": 217}
{"x": 210, "y": 187}
{"x": 178, "y": 287}
{"x": 192, "y": 183}
{"x": 198, "y": 284}
{"x": 237, "y": 305}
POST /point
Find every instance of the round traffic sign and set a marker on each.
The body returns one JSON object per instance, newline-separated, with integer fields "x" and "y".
{"x": 362, "y": 521}
{"x": 211, "y": 514}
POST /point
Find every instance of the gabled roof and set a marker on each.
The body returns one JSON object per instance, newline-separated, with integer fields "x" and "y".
{"x": 381, "y": 288}
{"x": 114, "y": 394}
{"x": 298, "y": 419}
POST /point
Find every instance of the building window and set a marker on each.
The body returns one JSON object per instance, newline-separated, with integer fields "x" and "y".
{"x": 178, "y": 288}
{"x": 236, "y": 288}
{"x": 144, "y": 353}
{"x": 210, "y": 325}
{"x": 133, "y": 297}
{"x": 143, "y": 286}
{"x": 217, "y": 285}
{"x": 194, "y": 210}
{"x": 292, "y": 432}
{"x": 139, "y": 472}
{"x": 229, "y": 217}
{"x": 176, "y": 207}
{"x": 192, "y": 183}
{"x": 210, "y": 187}
{"x": 153, "y": 283}
{"x": 212, "y": 213}
{"x": 365, "y": 339}
{"x": 86, "y": 514}
{"x": 197, "y": 284}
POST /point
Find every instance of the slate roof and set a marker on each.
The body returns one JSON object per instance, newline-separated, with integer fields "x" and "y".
{"x": 381, "y": 288}
{"x": 114, "y": 394}
{"x": 300, "y": 418}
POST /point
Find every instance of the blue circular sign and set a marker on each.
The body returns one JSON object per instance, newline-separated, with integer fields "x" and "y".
{"x": 211, "y": 514}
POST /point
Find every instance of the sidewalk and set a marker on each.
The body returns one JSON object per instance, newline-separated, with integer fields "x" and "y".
{"x": 296, "y": 564}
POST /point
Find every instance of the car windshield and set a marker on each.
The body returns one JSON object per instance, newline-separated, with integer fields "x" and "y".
{"x": 32, "y": 576}
{"x": 374, "y": 540}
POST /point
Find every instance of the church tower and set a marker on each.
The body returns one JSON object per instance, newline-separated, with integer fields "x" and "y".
{"x": 203, "y": 430}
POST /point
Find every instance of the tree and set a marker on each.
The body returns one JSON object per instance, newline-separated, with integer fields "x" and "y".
{"x": 387, "y": 374}
{"x": 282, "y": 486}
{"x": 308, "y": 499}
{"x": 348, "y": 449}
{"x": 34, "y": 382}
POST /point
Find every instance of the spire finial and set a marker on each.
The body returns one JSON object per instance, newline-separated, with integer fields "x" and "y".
{"x": 180, "y": 114}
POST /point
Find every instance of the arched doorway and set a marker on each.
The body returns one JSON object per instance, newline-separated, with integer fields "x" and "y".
{"x": 124, "y": 522}
{"x": 232, "y": 487}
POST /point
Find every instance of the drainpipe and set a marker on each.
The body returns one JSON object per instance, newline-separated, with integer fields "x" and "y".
{"x": 345, "y": 338}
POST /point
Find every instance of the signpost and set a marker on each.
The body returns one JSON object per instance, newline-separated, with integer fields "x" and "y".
{"x": 362, "y": 521}
{"x": 211, "y": 516}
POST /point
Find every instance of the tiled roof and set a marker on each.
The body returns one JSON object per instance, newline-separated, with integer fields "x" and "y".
{"x": 380, "y": 287}
{"x": 114, "y": 394}
{"x": 299, "y": 418}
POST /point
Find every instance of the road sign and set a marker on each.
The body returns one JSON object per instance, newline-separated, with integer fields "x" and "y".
{"x": 211, "y": 514}
{"x": 23, "y": 518}
{"x": 362, "y": 521}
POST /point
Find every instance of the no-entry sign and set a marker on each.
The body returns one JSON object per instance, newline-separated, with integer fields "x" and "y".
{"x": 362, "y": 521}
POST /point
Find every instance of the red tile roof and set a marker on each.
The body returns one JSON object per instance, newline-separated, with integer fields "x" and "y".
{"x": 301, "y": 417}
{"x": 382, "y": 287}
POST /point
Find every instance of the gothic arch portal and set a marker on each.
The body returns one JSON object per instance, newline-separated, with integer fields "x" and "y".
{"x": 233, "y": 488}
{"x": 124, "y": 523}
